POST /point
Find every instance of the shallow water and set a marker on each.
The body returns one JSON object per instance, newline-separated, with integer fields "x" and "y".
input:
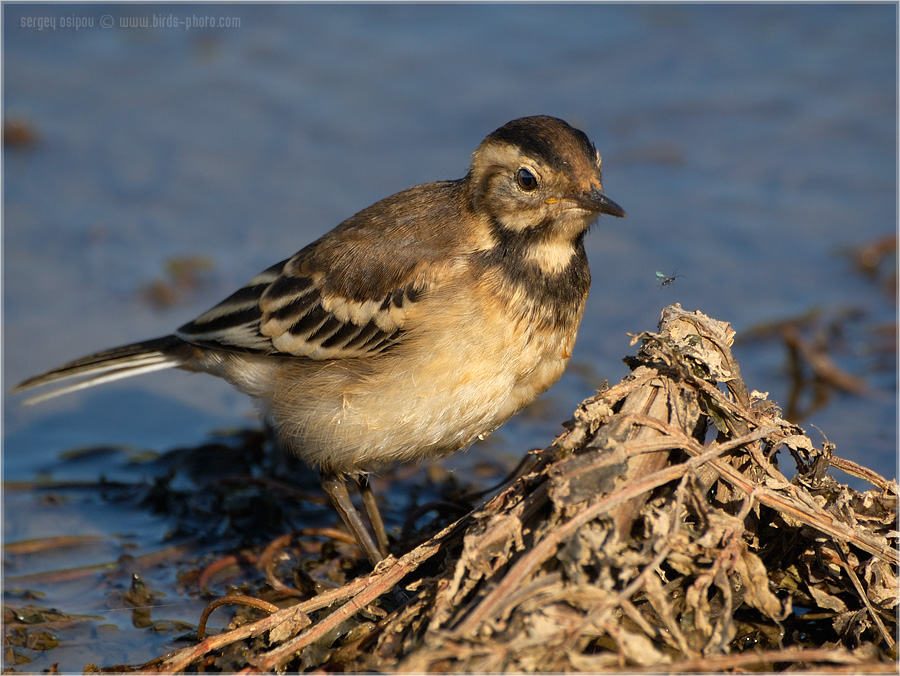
{"x": 752, "y": 146}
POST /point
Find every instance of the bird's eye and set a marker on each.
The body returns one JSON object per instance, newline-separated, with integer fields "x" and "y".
{"x": 526, "y": 180}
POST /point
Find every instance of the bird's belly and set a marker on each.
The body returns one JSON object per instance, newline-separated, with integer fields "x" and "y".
{"x": 427, "y": 401}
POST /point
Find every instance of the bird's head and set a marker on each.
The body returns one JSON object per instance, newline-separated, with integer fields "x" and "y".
{"x": 538, "y": 177}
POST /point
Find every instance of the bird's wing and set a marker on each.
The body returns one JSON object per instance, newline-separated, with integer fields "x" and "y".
{"x": 293, "y": 309}
{"x": 348, "y": 294}
{"x": 316, "y": 305}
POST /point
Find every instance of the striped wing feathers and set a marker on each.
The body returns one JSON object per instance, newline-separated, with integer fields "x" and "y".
{"x": 286, "y": 310}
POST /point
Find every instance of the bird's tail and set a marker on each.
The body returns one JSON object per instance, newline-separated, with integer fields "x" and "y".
{"x": 109, "y": 365}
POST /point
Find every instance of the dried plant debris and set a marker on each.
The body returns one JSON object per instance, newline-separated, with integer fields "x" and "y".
{"x": 816, "y": 343}
{"x": 840, "y": 350}
{"x": 184, "y": 275}
{"x": 877, "y": 260}
{"x": 19, "y": 133}
{"x": 658, "y": 533}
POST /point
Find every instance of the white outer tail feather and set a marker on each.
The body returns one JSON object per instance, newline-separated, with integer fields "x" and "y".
{"x": 106, "y": 367}
{"x": 112, "y": 373}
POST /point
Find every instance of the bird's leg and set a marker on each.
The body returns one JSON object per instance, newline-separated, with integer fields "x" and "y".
{"x": 371, "y": 507}
{"x": 340, "y": 498}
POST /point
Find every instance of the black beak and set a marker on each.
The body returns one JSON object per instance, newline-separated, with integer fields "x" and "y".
{"x": 596, "y": 201}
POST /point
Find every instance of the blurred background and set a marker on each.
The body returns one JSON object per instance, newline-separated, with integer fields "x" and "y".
{"x": 156, "y": 157}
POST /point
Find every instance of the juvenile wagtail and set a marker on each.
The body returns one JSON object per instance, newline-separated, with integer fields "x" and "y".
{"x": 413, "y": 328}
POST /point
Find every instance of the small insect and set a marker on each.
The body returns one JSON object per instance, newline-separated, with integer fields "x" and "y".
{"x": 664, "y": 280}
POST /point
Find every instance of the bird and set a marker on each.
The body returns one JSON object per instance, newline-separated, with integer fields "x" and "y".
{"x": 411, "y": 330}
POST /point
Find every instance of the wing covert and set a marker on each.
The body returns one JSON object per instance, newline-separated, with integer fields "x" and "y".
{"x": 284, "y": 310}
